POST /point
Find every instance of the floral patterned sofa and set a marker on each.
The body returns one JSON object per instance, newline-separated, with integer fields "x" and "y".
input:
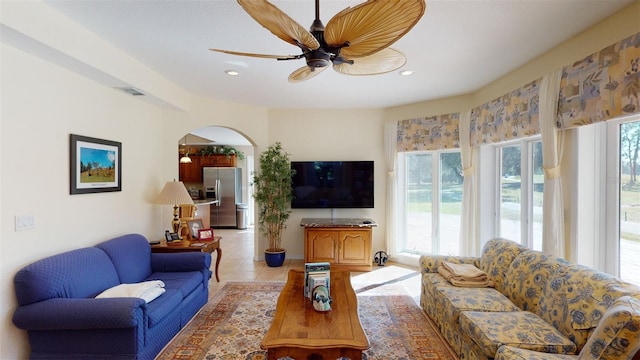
{"x": 542, "y": 307}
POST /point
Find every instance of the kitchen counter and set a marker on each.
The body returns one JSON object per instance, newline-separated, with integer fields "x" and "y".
{"x": 205, "y": 202}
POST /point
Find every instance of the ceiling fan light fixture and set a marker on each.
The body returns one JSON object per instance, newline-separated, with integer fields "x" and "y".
{"x": 406, "y": 72}
{"x": 232, "y": 72}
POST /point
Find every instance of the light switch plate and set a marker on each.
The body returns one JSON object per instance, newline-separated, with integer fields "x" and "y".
{"x": 24, "y": 222}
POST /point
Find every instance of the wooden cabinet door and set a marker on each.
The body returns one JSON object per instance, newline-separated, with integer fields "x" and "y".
{"x": 208, "y": 161}
{"x": 355, "y": 247}
{"x": 321, "y": 245}
{"x": 191, "y": 172}
{"x": 226, "y": 161}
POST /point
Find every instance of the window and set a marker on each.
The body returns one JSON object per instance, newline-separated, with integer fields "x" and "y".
{"x": 623, "y": 203}
{"x": 520, "y": 192}
{"x": 428, "y": 226}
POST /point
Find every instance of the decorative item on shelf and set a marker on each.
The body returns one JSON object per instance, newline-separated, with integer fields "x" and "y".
{"x": 185, "y": 159}
{"x": 195, "y": 226}
{"x": 222, "y": 149}
{"x": 272, "y": 194}
{"x": 174, "y": 193}
{"x": 205, "y": 234}
{"x": 380, "y": 258}
{"x": 321, "y": 299}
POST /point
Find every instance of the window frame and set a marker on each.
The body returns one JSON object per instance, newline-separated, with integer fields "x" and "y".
{"x": 436, "y": 189}
{"x": 610, "y": 187}
{"x": 526, "y": 188}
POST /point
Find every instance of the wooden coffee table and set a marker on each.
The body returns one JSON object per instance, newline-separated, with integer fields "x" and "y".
{"x": 300, "y": 332}
{"x": 187, "y": 246}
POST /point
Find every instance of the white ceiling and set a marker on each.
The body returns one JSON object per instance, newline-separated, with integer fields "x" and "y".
{"x": 457, "y": 47}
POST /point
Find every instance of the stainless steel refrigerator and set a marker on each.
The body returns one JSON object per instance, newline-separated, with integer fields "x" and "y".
{"x": 227, "y": 190}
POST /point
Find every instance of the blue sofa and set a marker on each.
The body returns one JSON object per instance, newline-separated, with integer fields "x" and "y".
{"x": 63, "y": 319}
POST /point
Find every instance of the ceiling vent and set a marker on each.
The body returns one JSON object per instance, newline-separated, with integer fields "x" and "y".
{"x": 131, "y": 91}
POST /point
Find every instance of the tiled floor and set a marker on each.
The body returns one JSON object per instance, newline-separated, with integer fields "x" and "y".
{"x": 237, "y": 265}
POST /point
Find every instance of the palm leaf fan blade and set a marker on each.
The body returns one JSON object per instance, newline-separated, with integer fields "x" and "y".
{"x": 304, "y": 73}
{"x": 383, "y": 61}
{"x": 372, "y": 26}
{"x": 266, "y": 56}
{"x": 279, "y": 23}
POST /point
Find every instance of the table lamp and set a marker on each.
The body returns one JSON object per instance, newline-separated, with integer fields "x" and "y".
{"x": 174, "y": 193}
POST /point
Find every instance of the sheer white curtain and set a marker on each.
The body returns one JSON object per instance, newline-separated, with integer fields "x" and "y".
{"x": 469, "y": 235}
{"x": 553, "y": 212}
{"x": 390, "y": 139}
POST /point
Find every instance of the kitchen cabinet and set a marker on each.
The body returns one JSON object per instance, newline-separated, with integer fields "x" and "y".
{"x": 344, "y": 247}
{"x": 218, "y": 161}
{"x": 193, "y": 172}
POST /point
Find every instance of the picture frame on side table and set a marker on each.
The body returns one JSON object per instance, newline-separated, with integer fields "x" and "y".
{"x": 205, "y": 234}
{"x": 95, "y": 165}
{"x": 194, "y": 226}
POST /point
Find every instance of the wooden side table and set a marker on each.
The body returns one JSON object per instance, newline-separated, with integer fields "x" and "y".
{"x": 188, "y": 246}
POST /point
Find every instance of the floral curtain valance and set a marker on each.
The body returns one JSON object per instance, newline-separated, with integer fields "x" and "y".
{"x": 430, "y": 133}
{"x": 511, "y": 116}
{"x": 602, "y": 86}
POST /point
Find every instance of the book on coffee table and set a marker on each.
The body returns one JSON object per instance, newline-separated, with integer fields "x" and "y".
{"x": 315, "y": 274}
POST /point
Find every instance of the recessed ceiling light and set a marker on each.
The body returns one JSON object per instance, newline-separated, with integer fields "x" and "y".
{"x": 232, "y": 72}
{"x": 406, "y": 72}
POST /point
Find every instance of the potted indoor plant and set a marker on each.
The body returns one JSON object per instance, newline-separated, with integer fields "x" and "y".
{"x": 273, "y": 194}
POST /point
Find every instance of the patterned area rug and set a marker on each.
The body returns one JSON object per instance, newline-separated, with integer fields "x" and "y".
{"x": 233, "y": 323}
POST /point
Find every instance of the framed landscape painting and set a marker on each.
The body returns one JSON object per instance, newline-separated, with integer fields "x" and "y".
{"x": 95, "y": 164}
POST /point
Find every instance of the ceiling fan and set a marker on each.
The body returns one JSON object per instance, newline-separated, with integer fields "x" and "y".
{"x": 356, "y": 40}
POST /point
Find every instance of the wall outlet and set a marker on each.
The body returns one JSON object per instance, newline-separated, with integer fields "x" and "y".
{"x": 24, "y": 222}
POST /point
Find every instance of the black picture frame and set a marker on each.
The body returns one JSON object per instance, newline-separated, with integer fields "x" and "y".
{"x": 194, "y": 226}
{"x": 95, "y": 165}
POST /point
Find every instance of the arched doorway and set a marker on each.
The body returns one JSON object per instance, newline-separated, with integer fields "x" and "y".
{"x": 219, "y": 147}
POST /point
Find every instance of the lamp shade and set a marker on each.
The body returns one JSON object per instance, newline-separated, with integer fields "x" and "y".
{"x": 174, "y": 193}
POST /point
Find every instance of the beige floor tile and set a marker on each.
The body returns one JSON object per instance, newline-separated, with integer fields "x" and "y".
{"x": 237, "y": 264}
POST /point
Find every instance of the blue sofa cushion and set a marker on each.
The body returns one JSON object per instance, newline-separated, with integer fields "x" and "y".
{"x": 79, "y": 273}
{"x": 131, "y": 256}
{"x": 163, "y": 306}
{"x": 185, "y": 282}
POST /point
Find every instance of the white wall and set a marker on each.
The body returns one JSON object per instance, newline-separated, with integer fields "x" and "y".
{"x": 41, "y": 105}
{"x": 331, "y": 135}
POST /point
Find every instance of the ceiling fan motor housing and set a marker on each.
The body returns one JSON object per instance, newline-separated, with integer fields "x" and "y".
{"x": 318, "y": 58}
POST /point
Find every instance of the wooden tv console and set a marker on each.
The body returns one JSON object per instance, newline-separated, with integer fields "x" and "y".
{"x": 344, "y": 243}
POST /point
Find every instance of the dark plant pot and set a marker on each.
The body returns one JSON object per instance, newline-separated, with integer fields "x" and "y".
{"x": 274, "y": 259}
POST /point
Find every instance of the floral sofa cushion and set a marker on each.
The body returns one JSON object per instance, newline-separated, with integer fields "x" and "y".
{"x": 527, "y": 277}
{"x": 514, "y": 353}
{"x": 577, "y": 297}
{"x": 618, "y": 335}
{"x": 491, "y": 330}
{"x": 497, "y": 255}
{"x": 454, "y": 300}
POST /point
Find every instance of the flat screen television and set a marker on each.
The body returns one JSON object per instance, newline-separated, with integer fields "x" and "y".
{"x": 332, "y": 184}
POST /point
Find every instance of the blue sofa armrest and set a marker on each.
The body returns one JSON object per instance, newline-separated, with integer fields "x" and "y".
{"x": 80, "y": 313}
{"x": 176, "y": 262}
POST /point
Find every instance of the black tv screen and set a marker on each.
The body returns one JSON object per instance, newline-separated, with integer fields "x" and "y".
{"x": 332, "y": 184}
